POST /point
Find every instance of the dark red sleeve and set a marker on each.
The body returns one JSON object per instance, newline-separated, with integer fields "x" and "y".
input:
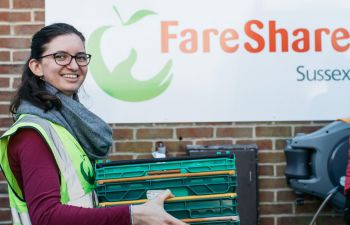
{"x": 35, "y": 168}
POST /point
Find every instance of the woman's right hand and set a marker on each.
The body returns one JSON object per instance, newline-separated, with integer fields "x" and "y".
{"x": 152, "y": 212}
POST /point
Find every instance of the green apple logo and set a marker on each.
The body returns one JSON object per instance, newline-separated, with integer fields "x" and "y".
{"x": 120, "y": 83}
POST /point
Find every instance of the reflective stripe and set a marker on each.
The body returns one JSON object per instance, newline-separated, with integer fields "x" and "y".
{"x": 15, "y": 216}
{"x": 85, "y": 201}
{"x": 20, "y": 218}
{"x": 25, "y": 218}
{"x": 74, "y": 188}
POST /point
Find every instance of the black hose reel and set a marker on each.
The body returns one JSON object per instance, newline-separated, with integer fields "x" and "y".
{"x": 316, "y": 162}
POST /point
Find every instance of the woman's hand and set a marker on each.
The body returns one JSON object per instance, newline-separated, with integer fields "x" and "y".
{"x": 152, "y": 212}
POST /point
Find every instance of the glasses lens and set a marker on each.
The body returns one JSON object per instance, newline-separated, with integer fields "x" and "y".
{"x": 62, "y": 58}
{"x": 82, "y": 59}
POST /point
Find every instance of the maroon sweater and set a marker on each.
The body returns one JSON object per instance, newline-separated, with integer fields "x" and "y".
{"x": 35, "y": 169}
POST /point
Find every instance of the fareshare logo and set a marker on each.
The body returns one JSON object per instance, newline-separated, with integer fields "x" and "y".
{"x": 120, "y": 82}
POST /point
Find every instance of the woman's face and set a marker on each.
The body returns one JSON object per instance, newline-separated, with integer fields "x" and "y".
{"x": 68, "y": 78}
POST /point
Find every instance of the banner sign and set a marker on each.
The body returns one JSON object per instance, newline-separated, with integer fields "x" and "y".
{"x": 212, "y": 61}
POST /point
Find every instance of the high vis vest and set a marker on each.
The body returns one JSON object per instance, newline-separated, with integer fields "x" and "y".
{"x": 76, "y": 171}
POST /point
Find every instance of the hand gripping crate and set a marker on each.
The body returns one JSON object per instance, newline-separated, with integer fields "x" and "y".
{"x": 204, "y": 186}
{"x": 195, "y": 208}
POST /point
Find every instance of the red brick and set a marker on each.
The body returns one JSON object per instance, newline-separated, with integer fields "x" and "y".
{"x": 15, "y": 43}
{"x": 3, "y": 188}
{"x": 4, "y": 82}
{"x": 265, "y": 170}
{"x": 5, "y": 215}
{"x": 273, "y": 131}
{"x": 147, "y": 156}
{"x": 272, "y": 183}
{"x": 117, "y": 157}
{"x": 280, "y": 169}
{"x": 262, "y": 144}
{"x": 276, "y": 208}
{"x": 266, "y": 196}
{"x": 5, "y": 110}
{"x": 4, "y": 3}
{"x": 294, "y": 220}
{"x": 214, "y": 142}
{"x": 154, "y": 133}
{"x": 280, "y": 144}
{"x": 28, "y": 4}
{"x": 286, "y": 196}
{"x": 27, "y": 29}
{"x": 15, "y": 16}
{"x": 306, "y": 129}
{"x": 311, "y": 207}
{"x": 5, "y": 30}
{"x": 6, "y": 95}
{"x": 39, "y": 16}
{"x": 194, "y": 132}
{"x": 4, "y": 202}
{"x": 266, "y": 221}
{"x": 11, "y": 68}
{"x": 2, "y": 177}
{"x": 178, "y": 147}
{"x": 4, "y": 56}
{"x": 122, "y": 134}
{"x": 21, "y": 55}
{"x": 6, "y": 122}
{"x": 234, "y": 132}
{"x": 209, "y": 124}
{"x": 271, "y": 157}
{"x": 134, "y": 147}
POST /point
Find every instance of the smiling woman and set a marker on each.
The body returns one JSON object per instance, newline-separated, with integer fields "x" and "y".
{"x": 65, "y": 74}
{"x": 47, "y": 154}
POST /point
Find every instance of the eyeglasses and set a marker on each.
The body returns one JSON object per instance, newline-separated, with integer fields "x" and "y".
{"x": 64, "y": 58}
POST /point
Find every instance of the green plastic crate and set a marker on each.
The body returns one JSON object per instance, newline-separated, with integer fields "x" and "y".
{"x": 113, "y": 171}
{"x": 218, "y": 222}
{"x": 193, "y": 207}
{"x": 202, "y": 208}
{"x": 203, "y": 185}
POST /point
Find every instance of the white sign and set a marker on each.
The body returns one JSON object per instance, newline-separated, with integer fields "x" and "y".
{"x": 207, "y": 61}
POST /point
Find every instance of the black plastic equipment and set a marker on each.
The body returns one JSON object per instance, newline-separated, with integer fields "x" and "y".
{"x": 246, "y": 164}
{"x": 316, "y": 162}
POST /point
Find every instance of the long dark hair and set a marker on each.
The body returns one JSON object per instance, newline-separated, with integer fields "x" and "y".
{"x": 32, "y": 88}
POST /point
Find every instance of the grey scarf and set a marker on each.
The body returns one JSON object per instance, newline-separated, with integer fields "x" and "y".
{"x": 93, "y": 134}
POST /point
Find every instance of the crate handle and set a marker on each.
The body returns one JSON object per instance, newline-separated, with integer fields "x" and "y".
{"x": 159, "y": 172}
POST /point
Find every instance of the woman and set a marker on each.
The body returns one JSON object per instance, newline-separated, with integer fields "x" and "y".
{"x": 46, "y": 155}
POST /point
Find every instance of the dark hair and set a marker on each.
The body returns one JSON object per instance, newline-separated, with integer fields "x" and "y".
{"x": 32, "y": 88}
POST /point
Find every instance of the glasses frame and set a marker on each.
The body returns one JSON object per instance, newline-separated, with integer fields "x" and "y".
{"x": 71, "y": 58}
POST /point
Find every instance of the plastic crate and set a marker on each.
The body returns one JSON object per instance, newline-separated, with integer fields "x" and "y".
{"x": 201, "y": 208}
{"x": 203, "y": 185}
{"x": 195, "y": 206}
{"x": 217, "y": 222}
{"x": 181, "y": 165}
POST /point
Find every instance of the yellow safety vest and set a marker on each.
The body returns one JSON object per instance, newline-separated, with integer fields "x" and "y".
{"x": 76, "y": 170}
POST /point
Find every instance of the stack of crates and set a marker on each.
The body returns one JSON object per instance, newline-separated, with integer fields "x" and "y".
{"x": 204, "y": 188}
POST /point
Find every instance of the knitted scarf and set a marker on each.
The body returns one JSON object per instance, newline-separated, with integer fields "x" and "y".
{"x": 93, "y": 134}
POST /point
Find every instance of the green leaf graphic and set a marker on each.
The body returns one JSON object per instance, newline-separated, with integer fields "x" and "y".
{"x": 139, "y": 15}
{"x": 120, "y": 82}
{"x": 135, "y": 17}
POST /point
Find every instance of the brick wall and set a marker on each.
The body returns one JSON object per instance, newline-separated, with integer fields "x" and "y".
{"x": 19, "y": 19}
